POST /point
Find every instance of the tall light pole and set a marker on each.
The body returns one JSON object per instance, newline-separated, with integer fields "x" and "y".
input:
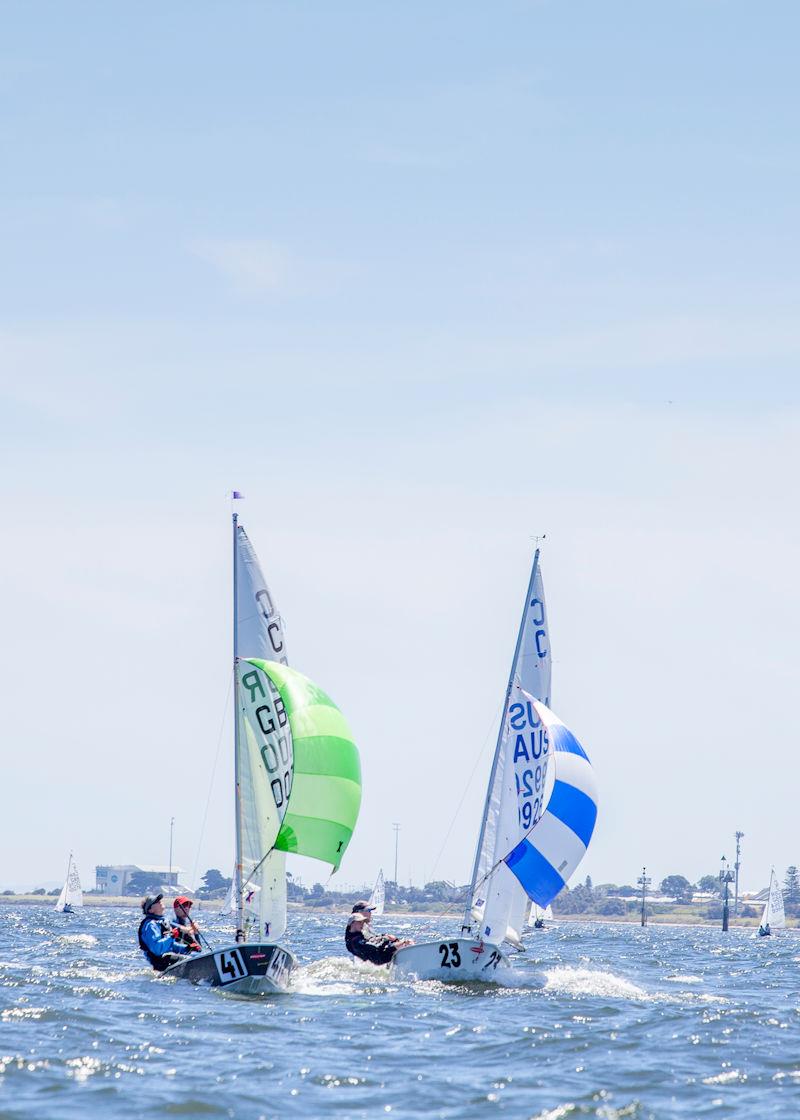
{"x": 725, "y": 877}
{"x": 396, "y": 828}
{"x": 739, "y": 836}
{"x": 644, "y": 882}
{"x": 171, "y": 831}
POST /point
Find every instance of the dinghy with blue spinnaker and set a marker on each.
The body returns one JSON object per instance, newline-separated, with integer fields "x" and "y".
{"x": 538, "y": 819}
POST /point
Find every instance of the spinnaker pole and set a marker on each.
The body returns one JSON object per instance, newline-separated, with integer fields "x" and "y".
{"x": 467, "y": 922}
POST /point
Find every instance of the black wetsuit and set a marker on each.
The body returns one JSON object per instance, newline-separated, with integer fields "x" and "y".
{"x": 376, "y": 950}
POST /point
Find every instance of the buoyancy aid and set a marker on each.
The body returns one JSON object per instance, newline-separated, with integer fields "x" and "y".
{"x": 160, "y": 964}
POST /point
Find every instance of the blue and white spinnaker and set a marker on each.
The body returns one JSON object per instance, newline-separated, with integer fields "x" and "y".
{"x": 550, "y": 851}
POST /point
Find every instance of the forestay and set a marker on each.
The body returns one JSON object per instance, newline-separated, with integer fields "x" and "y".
{"x": 517, "y": 783}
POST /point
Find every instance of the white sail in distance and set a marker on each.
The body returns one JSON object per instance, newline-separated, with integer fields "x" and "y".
{"x": 258, "y": 632}
{"x": 377, "y": 899}
{"x": 71, "y": 893}
{"x": 517, "y": 791}
{"x": 774, "y": 916}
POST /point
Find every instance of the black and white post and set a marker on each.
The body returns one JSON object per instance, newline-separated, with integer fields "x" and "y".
{"x": 726, "y": 877}
{"x": 644, "y": 882}
{"x": 739, "y": 836}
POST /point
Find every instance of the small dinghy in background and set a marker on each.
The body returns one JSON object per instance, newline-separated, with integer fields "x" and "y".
{"x": 71, "y": 897}
{"x": 297, "y": 789}
{"x": 774, "y": 916}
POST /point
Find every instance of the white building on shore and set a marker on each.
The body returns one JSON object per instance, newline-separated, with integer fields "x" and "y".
{"x": 112, "y": 879}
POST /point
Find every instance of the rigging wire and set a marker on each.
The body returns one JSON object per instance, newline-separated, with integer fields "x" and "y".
{"x": 213, "y": 777}
{"x": 478, "y": 760}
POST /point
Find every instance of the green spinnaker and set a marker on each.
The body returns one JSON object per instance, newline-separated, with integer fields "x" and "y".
{"x": 326, "y": 785}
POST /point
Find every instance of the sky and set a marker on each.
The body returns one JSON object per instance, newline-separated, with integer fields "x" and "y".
{"x": 424, "y": 282}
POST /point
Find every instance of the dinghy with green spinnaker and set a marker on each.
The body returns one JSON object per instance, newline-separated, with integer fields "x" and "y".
{"x": 297, "y": 788}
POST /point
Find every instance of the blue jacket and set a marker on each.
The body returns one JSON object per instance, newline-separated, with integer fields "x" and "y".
{"x": 159, "y": 943}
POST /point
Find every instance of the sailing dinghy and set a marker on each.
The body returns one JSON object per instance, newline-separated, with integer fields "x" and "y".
{"x": 538, "y": 819}
{"x": 377, "y": 900}
{"x": 774, "y": 916}
{"x": 538, "y": 916}
{"x": 297, "y": 788}
{"x": 71, "y": 896}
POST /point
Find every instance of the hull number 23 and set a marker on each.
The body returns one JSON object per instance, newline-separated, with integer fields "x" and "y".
{"x": 451, "y": 958}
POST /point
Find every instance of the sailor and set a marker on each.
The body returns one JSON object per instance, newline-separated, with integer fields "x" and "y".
{"x": 160, "y": 943}
{"x": 376, "y": 948}
{"x": 189, "y": 933}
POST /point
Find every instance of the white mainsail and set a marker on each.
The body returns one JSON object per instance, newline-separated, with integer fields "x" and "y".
{"x": 774, "y": 916}
{"x": 259, "y": 626}
{"x": 516, "y": 794}
{"x": 259, "y": 886}
{"x": 377, "y": 899}
{"x": 71, "y": 893}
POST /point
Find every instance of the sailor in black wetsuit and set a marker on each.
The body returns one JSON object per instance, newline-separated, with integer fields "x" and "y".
{"x": 378, "y": 949}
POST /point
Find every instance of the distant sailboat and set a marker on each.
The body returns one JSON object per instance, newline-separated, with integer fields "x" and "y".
{"x": 297, "y": 788}
{"x": 538, "y": 819}
{"x": 774, "y": 916}
{"x": 377, "y": 899}
{"x": 71, "y": 895}
{"x": 538, "y": 916}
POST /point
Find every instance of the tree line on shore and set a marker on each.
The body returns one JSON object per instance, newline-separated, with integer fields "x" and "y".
{"x": 605, "y": 899}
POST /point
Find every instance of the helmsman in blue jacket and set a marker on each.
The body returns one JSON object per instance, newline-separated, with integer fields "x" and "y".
{"x": 158, "y": 941}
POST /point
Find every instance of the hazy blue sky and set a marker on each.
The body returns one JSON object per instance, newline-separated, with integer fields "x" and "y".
{"x": 422, "y": 280}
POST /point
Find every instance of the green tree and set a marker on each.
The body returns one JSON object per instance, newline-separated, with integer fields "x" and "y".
{"x": 709, "y": 884}
{"x": 791, "y": 886}
{"x": 215, "y": 884}
{"x": 143, "y": 883}
{"x": 677, "y": 887}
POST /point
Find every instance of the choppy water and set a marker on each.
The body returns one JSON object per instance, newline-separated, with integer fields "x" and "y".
{"x": 598, "y": 1020}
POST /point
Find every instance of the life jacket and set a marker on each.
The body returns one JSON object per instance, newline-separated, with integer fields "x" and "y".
{"x": 160, "y": 964}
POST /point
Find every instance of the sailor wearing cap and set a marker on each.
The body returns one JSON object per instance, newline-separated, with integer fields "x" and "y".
{"x": 378, "y": 949}
{"x": 159, "y": 943}
{"x": 189, "y": 931}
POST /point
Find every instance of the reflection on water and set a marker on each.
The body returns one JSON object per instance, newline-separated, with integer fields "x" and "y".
{"x": 603, "y": 1021}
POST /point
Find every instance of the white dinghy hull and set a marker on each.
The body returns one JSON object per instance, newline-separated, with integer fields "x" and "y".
{"x": 246, "y": 969}
{"x": 455, "y": 961}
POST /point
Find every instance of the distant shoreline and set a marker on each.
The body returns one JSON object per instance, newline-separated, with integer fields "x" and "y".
{"x": 214, "y": 905}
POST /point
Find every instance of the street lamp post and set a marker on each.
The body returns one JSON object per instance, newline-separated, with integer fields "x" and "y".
{"x": 726, "y": 877}
{"x": 739, "y": 836}
{"x": 644, "y": 882}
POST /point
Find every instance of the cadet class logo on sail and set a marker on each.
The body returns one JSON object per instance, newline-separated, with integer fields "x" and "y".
{"x": 531, "y": 744}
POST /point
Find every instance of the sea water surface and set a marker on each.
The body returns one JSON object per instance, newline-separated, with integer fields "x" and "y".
{"x": 595, "y": 1020}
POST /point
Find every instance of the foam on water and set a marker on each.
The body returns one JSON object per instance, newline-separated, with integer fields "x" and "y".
{"x": 587, "y": 982}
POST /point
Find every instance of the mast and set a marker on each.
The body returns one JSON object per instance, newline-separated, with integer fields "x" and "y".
{"x": 467, "y": 922}
{"x": 236, "y": 748}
